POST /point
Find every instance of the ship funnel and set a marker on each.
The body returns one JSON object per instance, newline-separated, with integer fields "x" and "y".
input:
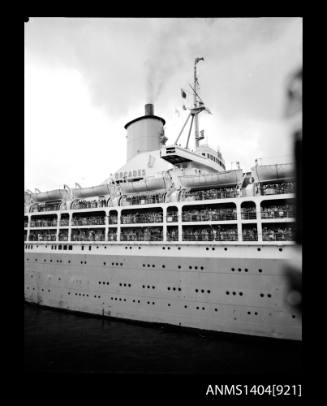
{"x": 149, "y": 109}
{"x": 144, "y": 133}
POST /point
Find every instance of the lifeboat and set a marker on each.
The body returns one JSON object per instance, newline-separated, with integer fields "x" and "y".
{"x": 227, "y": 178}
{"x": 144, "y": 185}
{"x": 269, "y": 173}
{"x": 52, "y": 195}
{"x": 82, "y": 193}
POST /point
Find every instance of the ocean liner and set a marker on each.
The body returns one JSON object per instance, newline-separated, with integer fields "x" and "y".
{"x": 172, "y": 237}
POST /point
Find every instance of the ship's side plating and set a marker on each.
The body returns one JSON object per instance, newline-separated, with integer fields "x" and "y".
{"x": 231, "y": 288}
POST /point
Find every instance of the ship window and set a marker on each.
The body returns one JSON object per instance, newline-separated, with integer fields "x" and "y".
{"x": 65, "y": 247}
{"x": 90, "y": 248}
{"x": 60, "y": 247}
{"x": 70, "y": 247}
{"x": 203, "y": 154}
{"x": 82, "y": 247}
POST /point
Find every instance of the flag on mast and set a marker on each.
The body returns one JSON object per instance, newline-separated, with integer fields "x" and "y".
{"x": 183, "y": 93}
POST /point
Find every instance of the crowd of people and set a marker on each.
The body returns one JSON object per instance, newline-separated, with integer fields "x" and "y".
{"x": 143, "y": 199}
{"x": 172, "y": 234}
{"x": 248, "y": 213}
{"x": 208, "y": 194}
{"x": 89, "y": 204}
{"x": 142, "y": 217}
{"x": 278, "y": 188}
{"x": 46, "y": 235}
{"x": 278, "y": 233}
{"x": 277, "y": 211}
{"x": 46, "y": 207}
{"x": 172, "y": 216}
{"x": 89, "y": 220}
{"x": 44, "y": 222}
{"x": 88, "y": 235}
{"x": 209, "y": 214}
{"x": 64, "y": 222}
{"x": 113, "y": 218}
{"x": 141, "y": 234}
{"x": 63, "y": 235}
{"x": 250, "y": 234}
{"x": 214, "y": 233}
{"x": 112, "y": 235}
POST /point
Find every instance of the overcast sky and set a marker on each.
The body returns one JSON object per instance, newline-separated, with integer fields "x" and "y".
{"x": 86, "y": 78}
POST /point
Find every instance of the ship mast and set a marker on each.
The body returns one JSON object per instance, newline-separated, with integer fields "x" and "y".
{"x": 198, "y": 106}
{"x": 196, "y": 103}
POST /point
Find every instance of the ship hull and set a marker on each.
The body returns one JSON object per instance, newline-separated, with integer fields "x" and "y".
{"x": 232, "y": 288}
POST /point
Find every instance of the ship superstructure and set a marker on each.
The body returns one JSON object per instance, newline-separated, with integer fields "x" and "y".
{"x": 172, "y": 237}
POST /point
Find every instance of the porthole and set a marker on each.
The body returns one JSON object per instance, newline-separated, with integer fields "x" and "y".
{"x": 207, "y": 249}
{"x": 260, "y": 270}
{"x": 202, "y": 290}
{"x": 233, "y": 269}
{"x": 216, "y": 309}
{"x": 239, "y": 269}
{"x": 179, "y": 248}
{"x": 104, "y": 263}
{"x": 225, "y": 249}
{"x": 164, "y": 266}
{"x": 234, "y": 293}
{"x": 149, "y": 265}
{"x": 227, "y": 293}
{"x": 169, "y": 304}
{"x": 208, "y": 291}
{"x": 203, "y": 308}
{"x": 293, "y": 316}
{"x": 174, "y": 288}
{"x": 121, "y": 264}
{"x": 179, "y": 289}
{"x": 107, "y": 283}
{"x": 143, "y": 265}
{"x": 249, "y": 312}
{"x": 163, "y": 248}
{"x": 269, "y": 295}
{"x": 168, "y": 248}
{"x": 280, "y": 249}
{"x": 179, "y": 267}
{"x": 190, "y": 267}
{"x": 185, "y": 306}
{"x": 241, "y": 293}
{"x": 153, "y": 266}
{"x": 246, "y": 270}
{"x": 213, "y": 249}
{"x": 196, "y": 290}
{"x": 258, "y": 249}
{"x": 195, "y": 267}
{"x": 153, "y": 287}
{"x": 261, "y": 295}
{"x": 197, "y": 307}
{"x": 256, "y": 313}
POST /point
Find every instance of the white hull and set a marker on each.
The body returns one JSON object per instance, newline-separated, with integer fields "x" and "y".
{"x": 184, "y": 284}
